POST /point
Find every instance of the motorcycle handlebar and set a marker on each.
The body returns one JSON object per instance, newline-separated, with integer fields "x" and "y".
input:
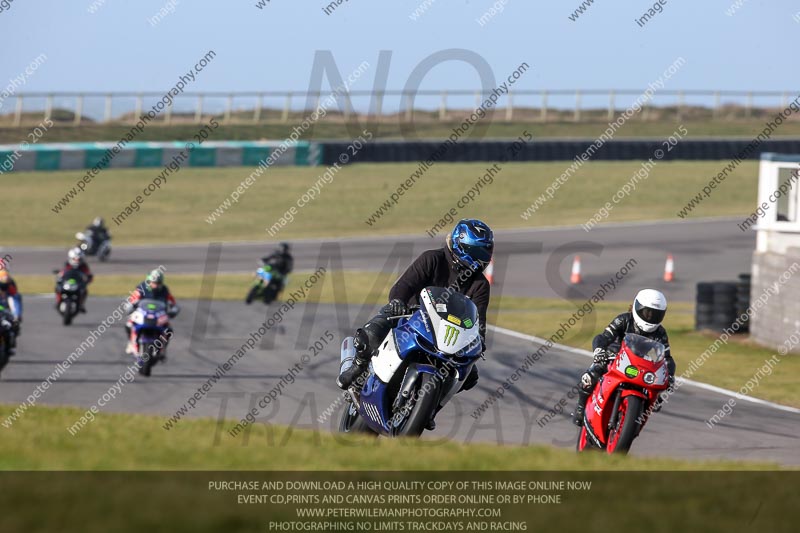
{"x": 411, "y": 309}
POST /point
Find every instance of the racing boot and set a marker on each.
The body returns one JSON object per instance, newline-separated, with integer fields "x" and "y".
{"x": 580, "y": 409}
{"x": 360, "y": 361}
{"x": 585, "y": 390}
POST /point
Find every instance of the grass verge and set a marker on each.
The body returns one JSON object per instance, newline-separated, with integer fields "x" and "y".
{"x": 179, "y": 210}
{"x": 428, "y": 129}
{"x": 40, "y": 441}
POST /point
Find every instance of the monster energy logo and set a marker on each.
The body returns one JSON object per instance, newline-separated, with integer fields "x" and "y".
{"x": 450, "y": 335}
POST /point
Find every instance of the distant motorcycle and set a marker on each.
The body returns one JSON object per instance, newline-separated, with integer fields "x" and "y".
{"x": 417, "y": 369}
{"x": 624, "y": 397}
{"x": 92, "y": 246}
{"x": 150, "y": 322}
{"x": 267, "y": 285}
{"x": 70, "y": 290}
{"x": 7, "y": 330}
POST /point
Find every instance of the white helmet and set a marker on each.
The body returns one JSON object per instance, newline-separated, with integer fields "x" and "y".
{"x": 649, "y": 308}
{"x": 75, "y": 256}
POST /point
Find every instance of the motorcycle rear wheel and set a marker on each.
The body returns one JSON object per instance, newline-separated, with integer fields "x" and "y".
{"x": 621, "y": 437}
{"x": 351, "y": 421}
{"x": 270, "y": 293}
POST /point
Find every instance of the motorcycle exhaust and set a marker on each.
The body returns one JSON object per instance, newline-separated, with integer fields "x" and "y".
{"x": 348, "y": 354}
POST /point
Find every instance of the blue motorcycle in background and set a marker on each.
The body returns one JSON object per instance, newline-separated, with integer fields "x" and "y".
{"x": 417, "y": 369}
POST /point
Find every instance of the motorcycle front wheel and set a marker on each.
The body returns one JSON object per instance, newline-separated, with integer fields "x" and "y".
{"x": 67, "y": 316}
{"x": 148, "y": 362}
{"x": 621, "y": 436}
{"x": 583, "y": 439}
{"x": 419, "y": 408}
{"x": 251, "y": 295}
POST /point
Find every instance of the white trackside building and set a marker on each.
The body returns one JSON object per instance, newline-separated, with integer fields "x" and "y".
{"x": 775, "y": 292}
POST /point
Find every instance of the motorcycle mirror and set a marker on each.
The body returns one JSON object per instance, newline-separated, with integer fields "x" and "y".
{"x": 55, "y": 271}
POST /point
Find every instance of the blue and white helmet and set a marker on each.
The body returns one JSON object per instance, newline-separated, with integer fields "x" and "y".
{"x": 472, "y": 244}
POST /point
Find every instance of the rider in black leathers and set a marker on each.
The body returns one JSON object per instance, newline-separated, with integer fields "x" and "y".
{"x": 98, "y": 233}
{"x": 281, "y": 260}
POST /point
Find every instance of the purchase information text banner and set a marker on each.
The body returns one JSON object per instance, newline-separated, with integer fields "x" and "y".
{"x": 398, "y": 501}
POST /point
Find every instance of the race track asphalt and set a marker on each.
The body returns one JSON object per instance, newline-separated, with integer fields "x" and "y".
{"x": 529, "y": 262}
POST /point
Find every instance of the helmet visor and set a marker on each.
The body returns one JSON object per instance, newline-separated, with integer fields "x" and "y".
{"x": 649, "y": 314}
{"x": 480, "y": 252}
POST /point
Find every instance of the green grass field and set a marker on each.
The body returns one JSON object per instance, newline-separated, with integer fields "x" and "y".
{"x": 40, "y": 441}
{"x": 730, "y": 367}
{"x": 590, "y": 128}
{"x": 178, "y": 211}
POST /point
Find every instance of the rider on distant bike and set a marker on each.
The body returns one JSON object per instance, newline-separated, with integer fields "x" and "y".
{"x": 152, "y": 288}
{"x": 459, "y": 265}
{"x": 9, "y": 288}
{"x": 280, "y": 260}
{"x": 9, "y": 317}
{"x": 98, "y": 232}
{"x": 643, "y": 318}
{"x": 75, "y": 261}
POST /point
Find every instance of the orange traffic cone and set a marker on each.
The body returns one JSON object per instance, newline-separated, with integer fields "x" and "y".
{"x": 669, "y": 269}
{"x": 575, "y": 278}
{"x": 488, "y": 273}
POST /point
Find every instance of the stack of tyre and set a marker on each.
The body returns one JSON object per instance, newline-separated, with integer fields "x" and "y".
{"x": 720, "y": 303}
{"x": 743, "y": 300}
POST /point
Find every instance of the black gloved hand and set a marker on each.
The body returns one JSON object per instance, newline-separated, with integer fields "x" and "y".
{"x": 395, "y": 308}
{"x": 600, "y": 356}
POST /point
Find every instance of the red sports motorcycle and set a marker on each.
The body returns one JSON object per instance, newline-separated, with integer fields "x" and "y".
{"x": 625, "y": 396}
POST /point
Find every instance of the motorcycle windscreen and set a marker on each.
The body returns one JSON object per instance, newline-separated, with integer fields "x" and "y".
{"x": 453, "y": 318}
{"x": 74, "y": 275}
{"x": 266, "y": 275}
{"x": 645, "y": 348}
{"x": 152, "y": 306}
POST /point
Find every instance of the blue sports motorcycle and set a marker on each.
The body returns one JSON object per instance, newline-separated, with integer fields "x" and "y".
{"x": 417, "y": 369}
{"x": 150, "y": 323}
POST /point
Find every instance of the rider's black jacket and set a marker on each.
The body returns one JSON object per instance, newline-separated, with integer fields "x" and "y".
{"x": 435, "y": 268}
{"x": 99, "y": 233}
{"x": 283, "y": 263}
{"x": 612, "y": 336}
